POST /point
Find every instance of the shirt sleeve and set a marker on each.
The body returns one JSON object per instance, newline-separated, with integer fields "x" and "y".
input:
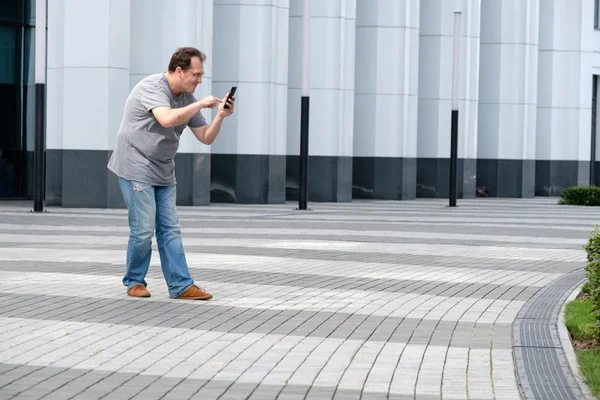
{"x": 153, "y": 97}
{"x": 198, "y": 120}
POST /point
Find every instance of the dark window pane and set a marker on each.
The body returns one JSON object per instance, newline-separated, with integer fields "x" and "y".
{"x": 16, "y": 84}
{"x": 8, "y": 88}
{"x": 8, "y": 48}
{"x": 10, "y": 133}
{"x": 29, "y": 10}
{"x": 11, "y": 10}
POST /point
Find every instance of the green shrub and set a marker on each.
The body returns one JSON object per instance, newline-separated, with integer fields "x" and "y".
{"x": 580, "y": 196}
{"x": 592, "y": 247}
{"x": 592, "y": 270}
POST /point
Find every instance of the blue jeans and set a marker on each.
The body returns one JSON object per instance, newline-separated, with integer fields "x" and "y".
{"x": 153, "y": 207}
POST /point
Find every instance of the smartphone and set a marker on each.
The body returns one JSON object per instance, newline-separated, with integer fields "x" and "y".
{"x": 231, "y": 93}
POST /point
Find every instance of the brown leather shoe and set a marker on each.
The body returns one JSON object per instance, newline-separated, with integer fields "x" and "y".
{"x": 138, "y": 290}
{"x": 194, "y": 293}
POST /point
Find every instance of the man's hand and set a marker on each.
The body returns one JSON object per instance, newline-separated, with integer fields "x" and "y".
{"x": 208, "y": 133}
{"x": 225, "y": 112}
{"x": 209, "y": 102}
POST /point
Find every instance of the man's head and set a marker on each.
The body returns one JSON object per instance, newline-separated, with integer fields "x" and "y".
{"x": 186, "y": 68}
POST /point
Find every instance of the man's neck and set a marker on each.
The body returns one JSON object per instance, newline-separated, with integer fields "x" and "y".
{"x": 172, "y": 85}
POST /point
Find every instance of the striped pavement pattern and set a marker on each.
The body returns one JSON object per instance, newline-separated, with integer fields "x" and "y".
{"x": 361, "y": 300}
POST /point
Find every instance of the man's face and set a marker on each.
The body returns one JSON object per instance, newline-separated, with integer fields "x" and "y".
{"x": 193, "y": 76}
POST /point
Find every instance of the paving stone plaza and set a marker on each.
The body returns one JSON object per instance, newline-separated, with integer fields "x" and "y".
{"x": 361, "y": 300}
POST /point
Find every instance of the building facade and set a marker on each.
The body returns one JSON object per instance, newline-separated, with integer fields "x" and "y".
{"x": 380, "y": 96}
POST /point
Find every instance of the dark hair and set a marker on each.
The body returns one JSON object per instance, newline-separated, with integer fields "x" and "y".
{"x": 183, "y": 58}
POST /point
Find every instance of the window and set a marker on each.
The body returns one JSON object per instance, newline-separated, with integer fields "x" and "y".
{"x": 16, "y": 88}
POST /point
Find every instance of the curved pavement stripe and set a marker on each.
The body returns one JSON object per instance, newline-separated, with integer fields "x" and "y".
{"x": 542, "y": 367}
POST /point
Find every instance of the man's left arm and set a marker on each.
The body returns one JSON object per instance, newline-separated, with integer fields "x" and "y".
{"x": 208, "y": 133}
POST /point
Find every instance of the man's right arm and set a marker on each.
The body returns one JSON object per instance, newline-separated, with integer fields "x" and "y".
{"x": 171, "y": 117}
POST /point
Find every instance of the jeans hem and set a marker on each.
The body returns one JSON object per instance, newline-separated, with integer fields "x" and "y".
{"x": 134, "y": 284}
{"x": 180, "y": 293}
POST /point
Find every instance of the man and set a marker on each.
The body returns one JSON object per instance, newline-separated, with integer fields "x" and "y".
{"x": 156, "y": 112}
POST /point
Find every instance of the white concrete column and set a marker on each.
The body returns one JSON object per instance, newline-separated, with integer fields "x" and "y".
{"x": 508, "y": 97}
{"x": 54, "y": 101}
{"x": 100, "y": 65}
{"x": 333, "y": 29}
{"x": 564, "y": 95}
{"x": 158, "y": 28}
{"x": 386, "y": 99}
{"x": 250, "y": 51}
{"x": 435, "y": 96}
{"x": 55, "y": 73}
{"x": 88, "y": 81}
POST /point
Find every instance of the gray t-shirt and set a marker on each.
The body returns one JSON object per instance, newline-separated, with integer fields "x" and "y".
{"x": 144, "y": 149}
